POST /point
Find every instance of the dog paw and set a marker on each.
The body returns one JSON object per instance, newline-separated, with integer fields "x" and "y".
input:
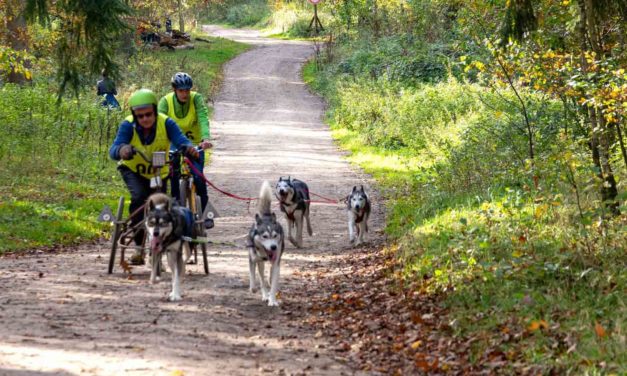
{"x": 174, "y": 297}
{"x": 273, "y": 303}
{"x": 252, "y": 289}
{"x": 265, "y": 297}
{"x": 293, "y": 241}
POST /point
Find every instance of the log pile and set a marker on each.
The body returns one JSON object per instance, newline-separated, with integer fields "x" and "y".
{"x": 155, "y": 39}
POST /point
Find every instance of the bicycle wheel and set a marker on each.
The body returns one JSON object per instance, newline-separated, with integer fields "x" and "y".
{"x": 183, "y": 193}
{"x": 117, "y": 230}
{"x": 200, "y": 229}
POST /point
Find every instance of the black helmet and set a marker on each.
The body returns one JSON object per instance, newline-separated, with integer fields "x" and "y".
{"x": 182, "y": 80}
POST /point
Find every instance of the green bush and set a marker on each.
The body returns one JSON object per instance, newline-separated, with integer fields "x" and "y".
{"x": 505, "y": 242}
{"x": 247, "y": 14}
{"x": 397, "y": 58}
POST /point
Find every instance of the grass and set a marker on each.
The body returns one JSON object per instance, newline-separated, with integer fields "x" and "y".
{"x": 55, "y": 178}
{"x": 520, "y": 275}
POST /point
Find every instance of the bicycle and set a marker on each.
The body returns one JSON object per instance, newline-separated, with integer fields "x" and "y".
{"x": 189, "y": 199}
{"x": 124, "y": 233}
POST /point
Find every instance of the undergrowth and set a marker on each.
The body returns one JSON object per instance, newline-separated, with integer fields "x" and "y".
{"x": 530, "y": 268}
{"x": 55, "y": 173}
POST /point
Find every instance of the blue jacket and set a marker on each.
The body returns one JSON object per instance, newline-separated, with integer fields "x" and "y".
{"x": 125, "y": 134}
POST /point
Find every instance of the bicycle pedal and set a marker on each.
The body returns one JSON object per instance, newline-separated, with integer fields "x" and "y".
{"x": 209, "y": 223}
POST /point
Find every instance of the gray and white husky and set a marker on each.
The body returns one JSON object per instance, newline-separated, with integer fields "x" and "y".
{"x": 266, "y": 244}
{"x": 167, "y": 224}
{"x": 293, "y": 196}
{"x": 358, "y": 205}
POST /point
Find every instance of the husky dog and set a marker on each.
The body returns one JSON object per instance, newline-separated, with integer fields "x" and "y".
{"x": 168, "y": 224}
{"x": 265, "y": 243}
{"x": 293, "y": 196}
{"x": 358, "y": 206}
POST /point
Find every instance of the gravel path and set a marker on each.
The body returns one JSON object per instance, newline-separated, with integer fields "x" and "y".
{"x": 61, "y": 314}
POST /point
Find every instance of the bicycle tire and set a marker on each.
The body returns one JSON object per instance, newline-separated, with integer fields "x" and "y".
{"x": 183, "y": 194}
{"x": 200, "y": 229}
{"x": 117, "y": 231}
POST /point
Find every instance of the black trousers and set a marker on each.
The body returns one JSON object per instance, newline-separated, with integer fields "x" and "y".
{"x": 139, "y": 188}
{"x": 201, "y": 186}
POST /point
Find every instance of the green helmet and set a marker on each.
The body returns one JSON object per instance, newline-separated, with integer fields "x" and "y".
{"x": 142, "y": 98}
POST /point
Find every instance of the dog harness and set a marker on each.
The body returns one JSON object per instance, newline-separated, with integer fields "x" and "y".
{"x": 300, "y": 205}
{"x": 179, "y": 231}
{"x": 360, "y": 215}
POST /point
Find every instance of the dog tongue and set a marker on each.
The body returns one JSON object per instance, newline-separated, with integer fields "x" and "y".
{"x": 155, "y": 243}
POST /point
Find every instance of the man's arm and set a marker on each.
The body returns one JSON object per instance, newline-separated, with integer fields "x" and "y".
{"x": 203, "y": 116}
{"x": 124, "y": 136}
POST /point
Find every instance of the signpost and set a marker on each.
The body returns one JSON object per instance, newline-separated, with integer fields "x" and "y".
{"x": 315, "y": 21}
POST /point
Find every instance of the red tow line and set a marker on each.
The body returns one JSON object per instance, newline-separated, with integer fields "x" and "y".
{"x": 327, "y": 200}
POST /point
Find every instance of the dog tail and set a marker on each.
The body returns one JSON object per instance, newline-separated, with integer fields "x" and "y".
{"x": 265, "y": 198}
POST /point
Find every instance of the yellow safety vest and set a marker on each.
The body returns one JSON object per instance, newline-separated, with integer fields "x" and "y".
{"x": 188, "y": 124}
{"x": 161, "y": 143}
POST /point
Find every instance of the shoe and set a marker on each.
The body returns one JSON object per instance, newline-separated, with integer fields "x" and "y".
{"x": 209, "y": 223}
{"x": 137, "y": 259}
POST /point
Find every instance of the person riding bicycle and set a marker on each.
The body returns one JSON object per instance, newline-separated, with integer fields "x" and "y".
{"x": 188, "y": 109}
{"x": 146, "y": 131}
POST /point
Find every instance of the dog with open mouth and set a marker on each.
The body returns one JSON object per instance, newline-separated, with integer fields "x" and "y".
{"x": 168, "y": 224}
{"x": 358, "y": 205}
{"x": 266, "y": 244}
{"x": 293, "y": 196}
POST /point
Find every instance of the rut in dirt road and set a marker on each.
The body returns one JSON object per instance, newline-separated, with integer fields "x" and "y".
{"x": 61, "y": 313}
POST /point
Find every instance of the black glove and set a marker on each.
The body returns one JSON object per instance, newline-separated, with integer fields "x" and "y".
{"x": 192, "y": 152}
{"x": 126, "y": 152}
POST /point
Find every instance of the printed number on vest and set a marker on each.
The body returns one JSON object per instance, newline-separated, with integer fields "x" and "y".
{"x": 189, "y": 135}
{"x": 141, "y": 169}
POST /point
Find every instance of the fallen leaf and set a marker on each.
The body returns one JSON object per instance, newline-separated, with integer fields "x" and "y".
{"x": 599, "y": 330}
{"x": 416, "y": 344}
{"x": 537, "y": 324}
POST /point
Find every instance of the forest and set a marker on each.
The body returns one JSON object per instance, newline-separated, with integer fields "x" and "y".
{"x": 494, "y": 130}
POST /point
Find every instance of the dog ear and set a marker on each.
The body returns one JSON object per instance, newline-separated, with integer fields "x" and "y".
{"x": 354, "y": 188}
{"x": 362, "y": 188}
{"x": 151, "y": 204}
{"x": 257, "y": 219}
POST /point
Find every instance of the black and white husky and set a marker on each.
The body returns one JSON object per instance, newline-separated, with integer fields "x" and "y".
{"x": 358, "y": 205}
{"x": 293, "y": 196}
{"x": 266, "y": 244}
{"x": 168, "y": 224}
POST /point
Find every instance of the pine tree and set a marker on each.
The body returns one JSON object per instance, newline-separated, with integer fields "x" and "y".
{"x": 89, "y": 32}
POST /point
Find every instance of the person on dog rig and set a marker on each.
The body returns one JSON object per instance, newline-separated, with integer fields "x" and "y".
{"x": 147, "y": 131}
{"x": 188, "y": 109}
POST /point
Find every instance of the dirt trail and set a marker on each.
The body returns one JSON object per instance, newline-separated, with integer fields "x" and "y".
{"x": 62, "y": 314}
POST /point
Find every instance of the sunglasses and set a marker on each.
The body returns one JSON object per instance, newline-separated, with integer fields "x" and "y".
{"x": 146, "y": 115}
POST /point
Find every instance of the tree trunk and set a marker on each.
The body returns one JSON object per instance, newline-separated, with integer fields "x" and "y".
{"x": 18, "y": 41}
{"x": 181, "y": 17}
{"x": 601, "y": 138}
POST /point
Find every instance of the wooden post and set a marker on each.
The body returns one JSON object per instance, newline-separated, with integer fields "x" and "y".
{"x": 315, "y": 21}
